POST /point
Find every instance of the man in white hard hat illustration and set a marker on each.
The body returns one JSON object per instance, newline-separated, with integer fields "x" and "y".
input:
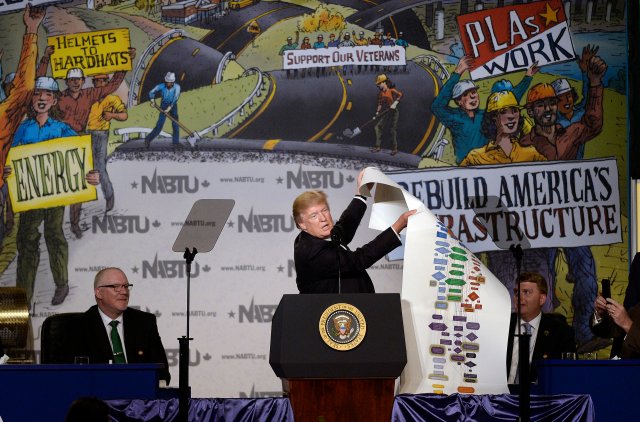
{"x": 169, "y": 93}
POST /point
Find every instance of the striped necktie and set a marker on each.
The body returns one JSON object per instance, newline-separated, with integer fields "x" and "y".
{"x": 118, "y": 353}
{"x": 528, "y": 330}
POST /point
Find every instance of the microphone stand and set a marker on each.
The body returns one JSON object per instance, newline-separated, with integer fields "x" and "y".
{"x": 524, "y": 341}
{"x": 183, "y": 376}
{"x": 335, "y": 238}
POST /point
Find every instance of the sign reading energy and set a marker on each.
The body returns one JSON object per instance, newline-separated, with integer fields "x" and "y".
{"x": 93, "y": 52}
{"x": 508, "y": 39}
{"x": 51, "y": 173}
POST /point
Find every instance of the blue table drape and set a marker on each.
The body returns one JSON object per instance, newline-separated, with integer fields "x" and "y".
{"x": 202, "y": 410}
{"x": 407, "y": 407}
{"x": 477, "y": 408}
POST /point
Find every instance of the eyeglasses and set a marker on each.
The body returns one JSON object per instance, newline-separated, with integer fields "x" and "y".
{"x": 118, "y": 287}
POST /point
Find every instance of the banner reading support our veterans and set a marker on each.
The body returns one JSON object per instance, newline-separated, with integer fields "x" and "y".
{"x": 51, "y": 173}
{"x": 93, "y": 52}
{"x": 509, "y": 39}
{"x": 344, "y": 56}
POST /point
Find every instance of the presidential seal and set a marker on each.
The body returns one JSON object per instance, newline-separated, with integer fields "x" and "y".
{"x": 342, "y": 326}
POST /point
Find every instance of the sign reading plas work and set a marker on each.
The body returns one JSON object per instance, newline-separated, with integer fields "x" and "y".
{"x": 51, "y": 173}
{"x": 509, "y": 39}
{"x": 9, "y": 6}
{"x": 94, "y": 52}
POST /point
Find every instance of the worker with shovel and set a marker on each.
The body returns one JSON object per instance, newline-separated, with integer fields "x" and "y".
{"x": 387, "y": 113}
{"x": 169, "y": 91}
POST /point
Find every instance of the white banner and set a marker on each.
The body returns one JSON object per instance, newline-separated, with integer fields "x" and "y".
{"x": 552, "y": 46}
{"x": 537, "y": 205}
{"x": 342, "y": 56}
{"x": 511, "y": 38}
{"x": 235, "y": 288}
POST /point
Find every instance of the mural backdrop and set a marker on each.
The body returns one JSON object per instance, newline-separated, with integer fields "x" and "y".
{"x": 476, "y": 108}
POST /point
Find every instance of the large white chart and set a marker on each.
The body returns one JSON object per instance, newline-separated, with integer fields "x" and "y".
{"x": 455, "y": 312}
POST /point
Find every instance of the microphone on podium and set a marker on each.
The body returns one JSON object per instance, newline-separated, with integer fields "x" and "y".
{"x": 337, "y": 233}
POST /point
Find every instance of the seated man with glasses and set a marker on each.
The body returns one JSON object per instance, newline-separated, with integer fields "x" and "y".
{"x": 113, "y": 332}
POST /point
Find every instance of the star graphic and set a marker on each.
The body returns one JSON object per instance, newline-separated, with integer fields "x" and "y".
{"x": 230, "y": 223}
{"x": 279, "y": 180}
{"x": 134, "y": 185}
{"x": 134, "y": 270}
{"x": 231, "y": 314}
{"x": 550, "y": 15}
{"x": 280, "y": 268}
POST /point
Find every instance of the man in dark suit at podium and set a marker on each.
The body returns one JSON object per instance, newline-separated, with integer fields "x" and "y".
{"x": 550, "y": 333}
{"x": 110, "y": 331}
{"x": 320, "y": 261}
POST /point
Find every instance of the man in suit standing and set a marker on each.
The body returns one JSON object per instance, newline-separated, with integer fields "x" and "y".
{"x": 550, "y": 334}
{"x": 111, "y": 331}
{"x": 320, "y": 262}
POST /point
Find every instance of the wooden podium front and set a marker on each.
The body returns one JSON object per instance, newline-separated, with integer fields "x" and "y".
{"x": 351, "y": 383}
{"x": 341, "y": 399}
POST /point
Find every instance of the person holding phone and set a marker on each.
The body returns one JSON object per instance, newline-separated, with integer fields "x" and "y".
{"x": 612, "y": 320}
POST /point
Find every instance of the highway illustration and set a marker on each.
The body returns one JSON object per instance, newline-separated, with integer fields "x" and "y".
{"x": 317, "y": 106}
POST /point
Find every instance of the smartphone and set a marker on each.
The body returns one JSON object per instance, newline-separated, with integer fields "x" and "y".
{"x": 606, "y": 288}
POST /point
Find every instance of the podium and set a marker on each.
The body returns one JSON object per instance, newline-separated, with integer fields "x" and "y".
{"x": 339, "y": 355}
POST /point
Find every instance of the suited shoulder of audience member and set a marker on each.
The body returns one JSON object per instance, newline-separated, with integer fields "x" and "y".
{"x": 87, "y": 409}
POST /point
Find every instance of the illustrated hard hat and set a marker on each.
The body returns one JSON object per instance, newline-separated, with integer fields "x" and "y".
{"x": 47, "y": 83}
{"x": 502, "y": 85}
{"x": 540, "y": 92}
{"x": 501, "y": 100}
{"x": 74, "y": 73}
{"x": 462, "y": 87}
{"x": 560, "y": 86}
{"x": 10, "y": 77}
{"x": 381, "y": 78}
